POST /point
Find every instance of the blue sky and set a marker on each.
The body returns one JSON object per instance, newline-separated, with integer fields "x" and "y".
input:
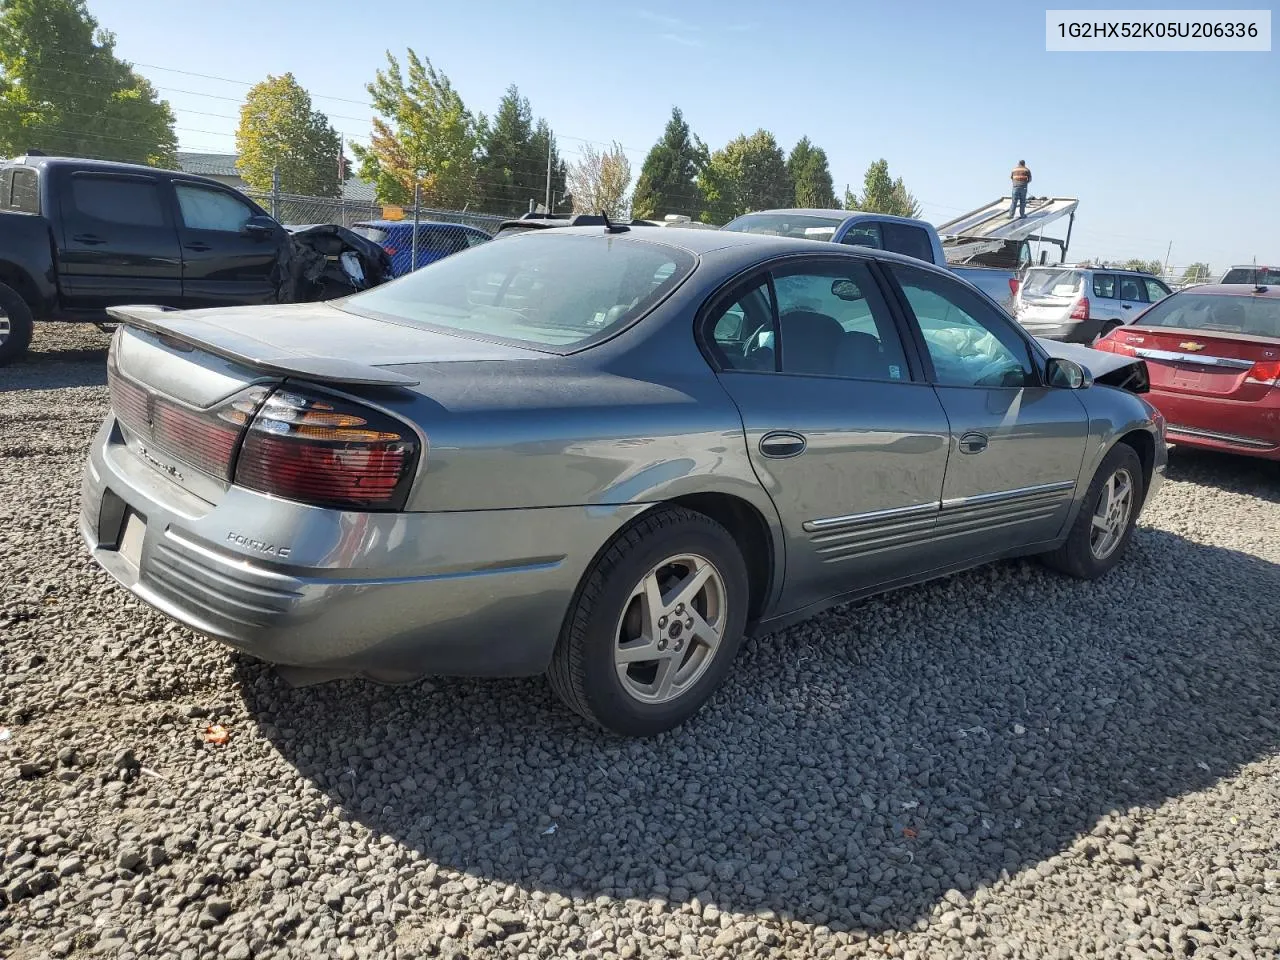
{"x": 1159, "y": 147}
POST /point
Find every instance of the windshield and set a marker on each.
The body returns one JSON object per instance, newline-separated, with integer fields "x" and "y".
{"x": 1263, "y": 275}
{"x": 1250, "y": 315}
{"x": 544, "y": 289}
{"x": 1052, "y": 283}
{"x": 804, "y": 226}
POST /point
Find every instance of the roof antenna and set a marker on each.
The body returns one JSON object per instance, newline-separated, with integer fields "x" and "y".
{"x": 611, "y": 227}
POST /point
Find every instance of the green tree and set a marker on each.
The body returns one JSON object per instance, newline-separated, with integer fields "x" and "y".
{"x": 1145, "y": 266}
{"x": 544, "y": 142}
{"x": 64, "y": 91}
{"x": 422, "y": 127}
{"x": 599, "y": 181}
{"x": 749, "y": 173}
{"x": 668, "y": 176}
{"x": 513, "y": 162}
{"x": 882, "y": 194}
{"x": 807, "y": 166}
{"x": 1196, "y": 273}
{"x": 280, "y": 130}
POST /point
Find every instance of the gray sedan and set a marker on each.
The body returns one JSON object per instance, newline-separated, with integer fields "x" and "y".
{"x": 605, "y": 454}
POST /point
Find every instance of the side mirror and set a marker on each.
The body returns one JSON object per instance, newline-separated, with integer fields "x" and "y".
{"x": 1067, "y": 374}
{"x": 259, "y": 226}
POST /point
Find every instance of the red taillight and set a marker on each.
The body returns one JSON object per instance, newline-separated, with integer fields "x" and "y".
{"x": 327, "y": 452}
{"x": 1081, "y": 311}
{"x": 204, "y": 438}
{"x": 1013, "y": 286}
{"x": 1265, "y": 371}
{"x": 391, "y": 251}
{"x": 1115, "y": 342}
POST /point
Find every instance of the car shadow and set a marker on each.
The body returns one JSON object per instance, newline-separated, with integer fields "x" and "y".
{"x": 854, "y": 769}
{"x": 1228, "y": 472}
{"x": 60, "y": 356}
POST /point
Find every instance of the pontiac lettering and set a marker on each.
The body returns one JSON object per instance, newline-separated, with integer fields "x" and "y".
{"x": 240, "y": 540}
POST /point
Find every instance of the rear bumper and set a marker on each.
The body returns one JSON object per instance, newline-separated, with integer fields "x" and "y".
{"x": 390, "y": 596}
{"x": 1071, "y": 331}
{"x": 1229, "y": 426}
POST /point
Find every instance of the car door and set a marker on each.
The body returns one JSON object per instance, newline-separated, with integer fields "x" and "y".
{"x": 1104, "y": 302}
{"x": 843, "y": 433}
{"x": 118, "y": 244}
{"x": 1133, "y": 297}
{"x": 222, "y": 265}
{"x": 1016, "y": 445}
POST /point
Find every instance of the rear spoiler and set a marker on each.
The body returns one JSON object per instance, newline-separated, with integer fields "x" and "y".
{"x": 231, "y": 344}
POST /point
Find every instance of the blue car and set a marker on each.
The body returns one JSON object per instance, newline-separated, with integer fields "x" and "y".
{"x": 435, "y": 241}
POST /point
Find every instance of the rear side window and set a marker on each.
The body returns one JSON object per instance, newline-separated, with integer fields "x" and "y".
{"x": 24, "y": 194}
{"x": 125, "y": 201}
{"x": 1104, "y": 285}
{"x": 911, "y": 241}
{"x": 546, "y": 289}
{"x": 864, "y": 235}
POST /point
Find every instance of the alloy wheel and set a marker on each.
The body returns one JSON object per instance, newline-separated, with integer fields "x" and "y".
{"x": 670, "y": 628}
{"x": 1111, "y": 514}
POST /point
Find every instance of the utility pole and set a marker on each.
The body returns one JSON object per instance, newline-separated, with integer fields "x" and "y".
{"x": 549, "y": 141}
{"x": 1167, "y": 254}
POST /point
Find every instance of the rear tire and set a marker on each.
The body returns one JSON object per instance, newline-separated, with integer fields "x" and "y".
{"x": 1103, "y": 528}
{"x": 655, "y": 624}
{"x": 16, "y": 325}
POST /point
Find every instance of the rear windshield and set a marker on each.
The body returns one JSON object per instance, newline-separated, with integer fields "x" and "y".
{"x": 546, "y": 289}
{"x": 376, "y": 234}
{"x": 1262, "y": 275}
{"x": 1250, "y": 315}
{"x": 804, "y": 226}
{"x": 1052, "y": 283}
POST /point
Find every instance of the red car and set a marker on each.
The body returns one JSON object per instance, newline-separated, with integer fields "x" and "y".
{"x": 1213, "y": 356}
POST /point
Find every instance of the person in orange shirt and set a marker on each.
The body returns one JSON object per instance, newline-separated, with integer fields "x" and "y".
{"x": 1021, "y": 176}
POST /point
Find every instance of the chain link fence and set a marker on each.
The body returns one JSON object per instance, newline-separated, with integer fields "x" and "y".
{"x": 298, "y": 210}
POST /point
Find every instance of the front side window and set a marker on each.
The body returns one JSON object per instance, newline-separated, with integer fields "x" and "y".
{"x": 1131, "y": 289}
{"x": 205, "y": 209}
{"x": 117, "y": 200}
{"x": 1155, "y": 290}
{"x": 969, "y": 343}
{"x": 544, "y": 288}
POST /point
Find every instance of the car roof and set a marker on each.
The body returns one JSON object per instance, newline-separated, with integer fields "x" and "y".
{"x": 1094, "y": 268}
{"x": 762, "y": 246}
{"x": 386, "y": 224}
{"x": 836, "y": 214}
{"x": 1269, "y": 291}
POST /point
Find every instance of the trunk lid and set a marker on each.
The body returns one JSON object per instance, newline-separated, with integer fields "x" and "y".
{"x": 1201, "y": 362}
{"x": 184, "y": 385}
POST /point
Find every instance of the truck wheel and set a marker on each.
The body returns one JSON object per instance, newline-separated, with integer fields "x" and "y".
{"x": 16, "y": 325}
{"x": 655, "y": 625}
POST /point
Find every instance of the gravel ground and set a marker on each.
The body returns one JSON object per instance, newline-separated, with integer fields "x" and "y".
{"x": 1003, "y": 764}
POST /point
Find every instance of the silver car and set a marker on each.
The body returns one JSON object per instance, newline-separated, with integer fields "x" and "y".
{"x": 601, "y": 454}
{"x": 1080, "y": 304}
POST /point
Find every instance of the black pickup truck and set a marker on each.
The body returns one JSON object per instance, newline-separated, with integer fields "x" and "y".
{"x": 78, "y": 236}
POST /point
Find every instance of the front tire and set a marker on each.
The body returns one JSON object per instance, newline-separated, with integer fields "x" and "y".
{"x": 655, "y": 625}
{"x": 1103, "y": 528}
{"x": 16, "y": 325}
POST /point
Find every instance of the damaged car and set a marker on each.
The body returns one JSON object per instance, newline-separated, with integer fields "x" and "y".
{"x": 600, "y": 453}
{"x": 80, "y": 236}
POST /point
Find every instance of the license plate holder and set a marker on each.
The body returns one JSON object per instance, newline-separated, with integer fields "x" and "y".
{"x": 132, "y": 532}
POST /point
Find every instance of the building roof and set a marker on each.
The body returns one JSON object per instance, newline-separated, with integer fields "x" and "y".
{"x": 209, "y": 164}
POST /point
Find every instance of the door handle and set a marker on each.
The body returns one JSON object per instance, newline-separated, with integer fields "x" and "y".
{"x": 973, "y": 443}
{"x": 781, "y": 444}
{"x": 1126, "y": 306}
{"x": 88, "y": 239}
{"x": 197, "y": 247}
